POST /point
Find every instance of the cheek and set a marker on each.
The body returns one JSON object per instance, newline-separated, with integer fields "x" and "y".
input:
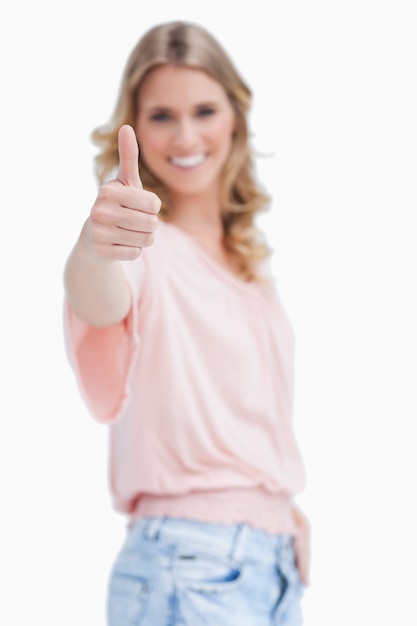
{"x": 222, "y": 134}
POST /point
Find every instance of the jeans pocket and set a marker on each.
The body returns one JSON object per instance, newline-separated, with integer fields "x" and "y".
{"x": 206, "y": 572}
{"x": 127, "y": 600}
{"x": 288, "y": 611}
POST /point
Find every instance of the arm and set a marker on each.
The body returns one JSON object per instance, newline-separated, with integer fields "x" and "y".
{"x": 95, "y": 288}
{"x": 302, "y": 545}
{"x": 122, "y": 221}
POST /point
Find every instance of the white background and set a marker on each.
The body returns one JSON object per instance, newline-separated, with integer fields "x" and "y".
{"x": 335, "y": 105}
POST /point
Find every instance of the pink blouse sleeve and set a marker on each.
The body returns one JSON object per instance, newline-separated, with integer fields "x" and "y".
{"x": 103, "y": 360}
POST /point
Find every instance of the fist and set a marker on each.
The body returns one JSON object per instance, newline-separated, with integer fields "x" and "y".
{"x": 124, "y": 216}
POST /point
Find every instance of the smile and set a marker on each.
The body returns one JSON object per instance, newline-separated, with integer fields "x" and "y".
{"x": 188, "y": 161}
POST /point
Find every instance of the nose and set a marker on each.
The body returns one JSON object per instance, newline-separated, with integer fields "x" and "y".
{"x": 185, "y": 135}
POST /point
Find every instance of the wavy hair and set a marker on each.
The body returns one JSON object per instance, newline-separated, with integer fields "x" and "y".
{"x": 242, "y": 198}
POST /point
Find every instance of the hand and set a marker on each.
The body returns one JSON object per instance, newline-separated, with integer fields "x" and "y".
{"x": 123, "y": 218}
{"x": 302, "y": 546}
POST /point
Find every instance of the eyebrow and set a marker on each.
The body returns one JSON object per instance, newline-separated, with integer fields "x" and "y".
{"x": 167, "y": 107}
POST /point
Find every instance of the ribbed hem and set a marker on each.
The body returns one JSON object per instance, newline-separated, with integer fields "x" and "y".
{"x": 260, "y": 509}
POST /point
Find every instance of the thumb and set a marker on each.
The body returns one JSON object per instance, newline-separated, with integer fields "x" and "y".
{"x": 128, "y": 173}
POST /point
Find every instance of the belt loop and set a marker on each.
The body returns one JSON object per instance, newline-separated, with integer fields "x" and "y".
{"x": 239, "y": 543}
{"x": 153, "y": 527}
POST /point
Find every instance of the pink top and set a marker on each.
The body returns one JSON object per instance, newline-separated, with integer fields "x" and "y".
{"x": 197, "y": 388}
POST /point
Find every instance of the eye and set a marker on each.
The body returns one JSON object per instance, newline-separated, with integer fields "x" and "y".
{"x": 206, "y": 111}
{"x": 160, "y": 116}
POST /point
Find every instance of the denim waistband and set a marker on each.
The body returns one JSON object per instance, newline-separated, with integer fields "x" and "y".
{"x": 236, "y": 541}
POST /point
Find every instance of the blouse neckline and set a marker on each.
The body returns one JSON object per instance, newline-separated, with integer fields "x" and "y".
{"x": 216, "y": 266}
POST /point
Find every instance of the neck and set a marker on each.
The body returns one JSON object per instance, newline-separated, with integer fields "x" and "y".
{"x": 201, "y": 219}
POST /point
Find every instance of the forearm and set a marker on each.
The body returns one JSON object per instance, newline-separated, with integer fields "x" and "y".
{"x": 302, "y": 544}
{"x": 95, "y": 288}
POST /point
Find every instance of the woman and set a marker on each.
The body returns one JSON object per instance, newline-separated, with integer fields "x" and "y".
{"x": 180, "y": 344}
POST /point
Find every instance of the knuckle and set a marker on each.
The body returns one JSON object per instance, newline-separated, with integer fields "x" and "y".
{"x": 101, "y": 208}
{"x": 150, "y": 222}
{"x": 148, "y": 239}
{"x": 99, "y": 250}
{"x": 98, "y": 219}
{"x": 97, "y": 213}
{"x": 106, "y": 191}
{"x": 133, "y": 253}
{"x": 154, "y": 202}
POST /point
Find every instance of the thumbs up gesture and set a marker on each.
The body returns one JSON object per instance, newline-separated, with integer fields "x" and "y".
{"x": 123, "y": 218}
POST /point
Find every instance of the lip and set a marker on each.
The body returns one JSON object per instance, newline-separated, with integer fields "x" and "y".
{"x": 189, "y": 161}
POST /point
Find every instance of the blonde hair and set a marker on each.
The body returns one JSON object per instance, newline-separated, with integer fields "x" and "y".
{"x": 189, "y": 45}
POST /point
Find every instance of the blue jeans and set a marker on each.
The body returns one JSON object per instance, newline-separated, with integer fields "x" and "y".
{"x": 174, "y": 572}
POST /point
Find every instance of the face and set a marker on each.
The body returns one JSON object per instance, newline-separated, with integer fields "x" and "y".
{"x": 184, "y": 127}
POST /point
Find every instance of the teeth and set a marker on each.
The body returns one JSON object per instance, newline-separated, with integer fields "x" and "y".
{"x": 188, "y": 161}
